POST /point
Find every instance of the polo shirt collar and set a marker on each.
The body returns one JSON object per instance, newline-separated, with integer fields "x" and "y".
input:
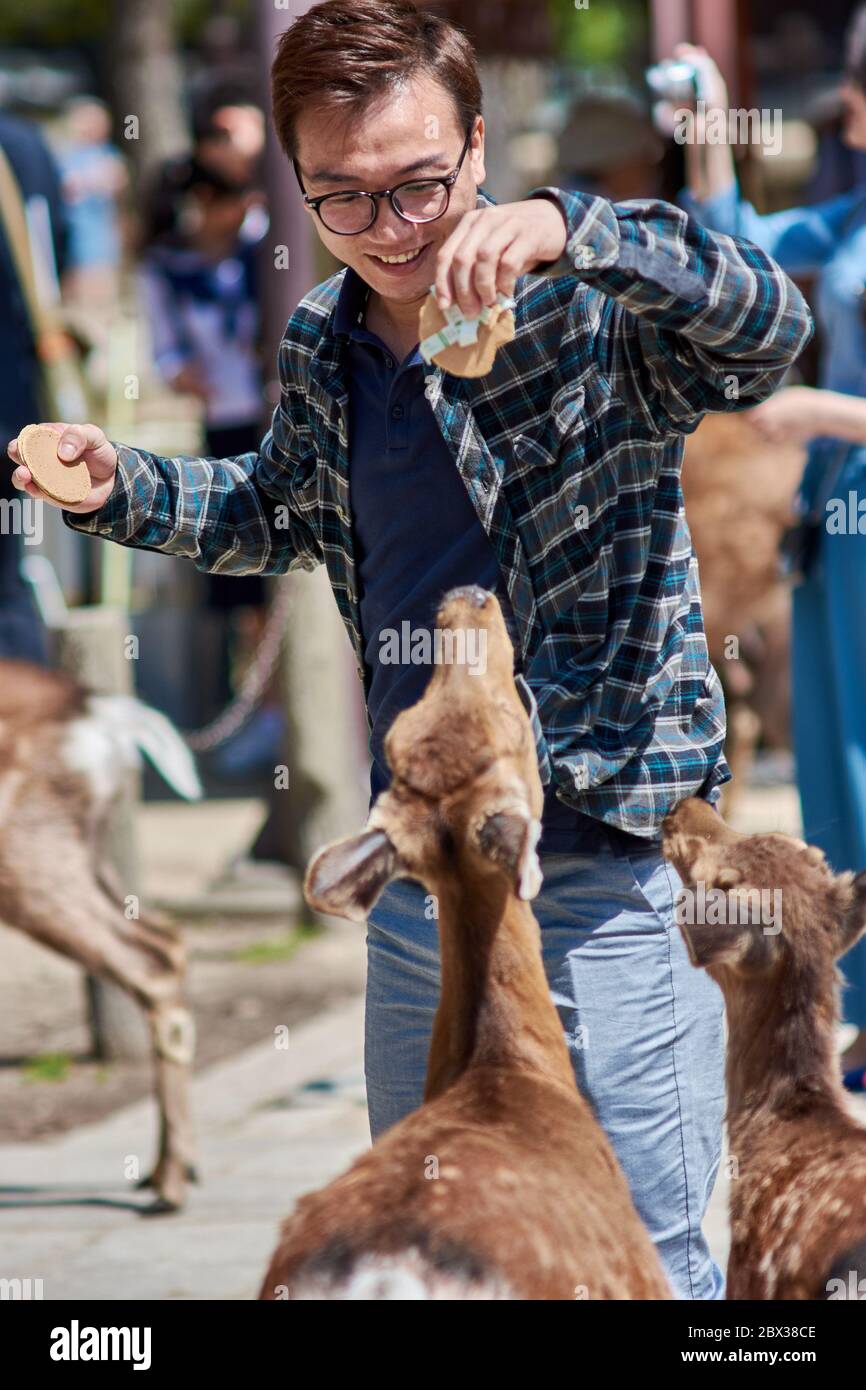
{"x": 351, "y": 303}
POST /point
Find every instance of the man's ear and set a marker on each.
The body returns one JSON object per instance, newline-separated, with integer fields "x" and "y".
{"x": 508, "y": 839}
{"x": 854, "y": 920}
{"x": 346, "y": 878}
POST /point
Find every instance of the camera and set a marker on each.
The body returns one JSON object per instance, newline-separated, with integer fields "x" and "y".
{"x": 673, "y": 80}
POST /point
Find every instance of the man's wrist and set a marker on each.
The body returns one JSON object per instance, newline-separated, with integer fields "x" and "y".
{"x": 558, "y": 242}
{"x": 592, "y": 231}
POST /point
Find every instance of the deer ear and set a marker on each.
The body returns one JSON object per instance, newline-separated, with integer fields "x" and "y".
{"x": 854, "y": 920}
{"x": 346, "y": 878}
{"x": 508, "y": 838}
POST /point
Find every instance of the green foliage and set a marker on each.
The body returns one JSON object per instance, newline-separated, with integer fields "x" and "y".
{"x": 53, "y": 23}
{"x": 606, "y": 33}
{"x": 46, "y": 24}
{"x": 48, "y": 1066}
{"x": 274, "y": 949}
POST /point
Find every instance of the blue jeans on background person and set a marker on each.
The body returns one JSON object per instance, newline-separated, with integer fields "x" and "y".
{"x": 644, "y": 1029}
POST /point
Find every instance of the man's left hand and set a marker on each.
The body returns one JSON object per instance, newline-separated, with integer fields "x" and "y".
{"x": 490, "y": 247}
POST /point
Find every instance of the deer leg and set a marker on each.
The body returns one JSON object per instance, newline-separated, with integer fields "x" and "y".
{"x": 148, "y": 960}
{"x": 57, "y": 885}
{"x": 173, "y": 1032}
{"x": 62, "y": 903}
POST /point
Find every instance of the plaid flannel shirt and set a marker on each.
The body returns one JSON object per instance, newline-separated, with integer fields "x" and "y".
{"x": 570, "y": 450}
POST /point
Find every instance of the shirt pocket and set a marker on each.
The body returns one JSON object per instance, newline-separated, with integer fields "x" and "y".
{"x": 573, "y": 419}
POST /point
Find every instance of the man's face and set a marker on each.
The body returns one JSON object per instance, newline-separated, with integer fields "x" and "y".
{"x": 409, "y": 134}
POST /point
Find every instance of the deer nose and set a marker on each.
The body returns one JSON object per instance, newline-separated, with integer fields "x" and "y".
{"x": 470, "y": 593}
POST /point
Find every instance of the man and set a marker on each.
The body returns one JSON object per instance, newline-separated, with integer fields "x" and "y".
{"x": 555, "y": 481}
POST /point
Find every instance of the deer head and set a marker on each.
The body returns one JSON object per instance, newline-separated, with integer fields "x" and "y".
{"x": 764, "y": 902}
{"x": 465, "y": 797}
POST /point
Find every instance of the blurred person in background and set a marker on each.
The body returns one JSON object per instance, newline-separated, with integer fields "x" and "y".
{"x": 198, "y": 279}
{"x": 230, "y": 137}
{"x": 609, "y": 146}
{"x": 33, "y": 180}
{"x": 94, "y": 181}
{"x": 828, "y": 240}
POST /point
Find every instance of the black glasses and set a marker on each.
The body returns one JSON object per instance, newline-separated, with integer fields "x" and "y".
{"x": 416, "y": 200}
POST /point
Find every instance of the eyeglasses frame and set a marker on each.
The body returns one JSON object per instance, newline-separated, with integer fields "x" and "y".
{"x": 447, "y": 180}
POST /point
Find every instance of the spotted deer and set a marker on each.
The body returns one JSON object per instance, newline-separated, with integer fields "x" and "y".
{"x": 502, "y": 1185}
{"x": 798, "y": 1185}
{"x": 62, "y": 755}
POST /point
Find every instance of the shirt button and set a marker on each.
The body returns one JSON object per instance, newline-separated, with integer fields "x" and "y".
{"x": 389, "y": 363}
{"x": 584, "y": 256}
{"x": 397, "y": 412}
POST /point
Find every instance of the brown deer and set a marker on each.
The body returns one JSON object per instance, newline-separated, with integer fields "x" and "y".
{"x": 766, "y": 917}
{"x": 62, "y": 754}
{"x": 502, "y": 1185}
{"x": 739, "y": 497}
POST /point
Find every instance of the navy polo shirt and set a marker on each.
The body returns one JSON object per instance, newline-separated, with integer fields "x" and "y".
{"x": 416, "y": 535}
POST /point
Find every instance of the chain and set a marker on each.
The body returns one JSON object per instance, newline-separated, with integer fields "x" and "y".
{"x": 254, "y": 683}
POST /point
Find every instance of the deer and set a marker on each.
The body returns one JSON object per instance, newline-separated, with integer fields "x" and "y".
{"x": 502, "y": 1185}
{"x": 773, "y": 919}
{"x": 739, "y": 497}
{"x": 63, "y": 755}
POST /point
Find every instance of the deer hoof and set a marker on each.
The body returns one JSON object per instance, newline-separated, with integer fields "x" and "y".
{"x": 161, "y": 1206}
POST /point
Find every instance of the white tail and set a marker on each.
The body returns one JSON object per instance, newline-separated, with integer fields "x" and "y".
{"x": 140, "y": 729}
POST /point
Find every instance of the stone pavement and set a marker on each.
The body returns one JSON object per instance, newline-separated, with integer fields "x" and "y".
{"x": 272, "y": 1124}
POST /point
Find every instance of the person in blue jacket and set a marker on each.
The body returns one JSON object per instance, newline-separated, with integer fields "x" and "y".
{"x": 827, "y": 240}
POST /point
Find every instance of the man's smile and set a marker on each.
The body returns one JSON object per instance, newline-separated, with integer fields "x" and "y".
{"x": 400, "y": 262}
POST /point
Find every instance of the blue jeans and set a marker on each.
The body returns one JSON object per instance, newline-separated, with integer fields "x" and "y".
{"x": 643, "y": 1027}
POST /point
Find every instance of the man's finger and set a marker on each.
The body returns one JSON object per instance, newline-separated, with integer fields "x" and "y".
{"x": 22, "y": 479}
{"x": 468, "y": 264}
{"x": 487, "y": 263}
{"x": 512, "y": 261}
{"x": 443, "y": 280}
{"x": 77, "y": 439}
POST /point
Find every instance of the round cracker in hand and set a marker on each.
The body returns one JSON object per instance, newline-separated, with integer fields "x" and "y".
{"x": 68, "y": 483}
{"x": 475, "y": 359}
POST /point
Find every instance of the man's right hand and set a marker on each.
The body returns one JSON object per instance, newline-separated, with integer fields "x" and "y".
{"x": 87, "y": 442}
